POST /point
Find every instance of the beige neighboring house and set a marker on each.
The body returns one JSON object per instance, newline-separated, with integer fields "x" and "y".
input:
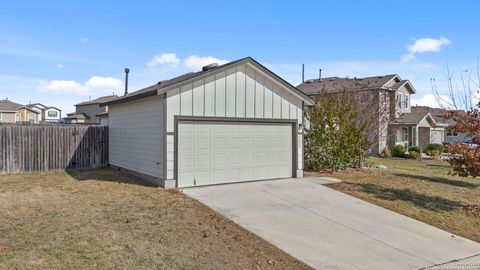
{"x": 11, "y": 112}
{"x": 397, "y": 124}
{"x": 91, "y": 112}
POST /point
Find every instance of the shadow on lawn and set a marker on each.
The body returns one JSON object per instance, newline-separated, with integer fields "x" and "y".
{"x": 109, "y": 175}
{"x": 440, "y": 180}
{"x": 433, "y": 203}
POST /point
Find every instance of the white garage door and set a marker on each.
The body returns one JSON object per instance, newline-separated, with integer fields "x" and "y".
{"x": 224, "y": 152}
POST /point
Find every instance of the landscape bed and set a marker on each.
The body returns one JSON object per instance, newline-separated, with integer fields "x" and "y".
{"x": 108, "y": 219}
{"x": 423, "y": 190}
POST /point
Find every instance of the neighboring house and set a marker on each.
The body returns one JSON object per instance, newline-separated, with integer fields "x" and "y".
{"x": 397, "y": 124}
{"x": 229, "y": 123}
{"x": 75, "y": 118}
{"x": 90, "y": 111}
{"x": 47, "y": 114}
{"x": 447, "y": 136}
{"x": 11, "y": 112}
{"x": 8, "y": 111}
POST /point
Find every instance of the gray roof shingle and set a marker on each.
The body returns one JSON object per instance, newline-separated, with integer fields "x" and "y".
{"x": 9, "y": 106}
{"x": 336, "y": 84}
{"x": 98, "y": 100}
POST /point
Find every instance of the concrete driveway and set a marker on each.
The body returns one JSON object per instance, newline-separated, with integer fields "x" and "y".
{"x": 328, "y": 229}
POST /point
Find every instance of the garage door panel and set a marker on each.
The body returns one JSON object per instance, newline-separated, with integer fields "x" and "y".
{"x": 225, "y": 152}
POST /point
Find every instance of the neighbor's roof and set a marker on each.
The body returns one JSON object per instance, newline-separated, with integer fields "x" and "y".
{"x": 337, "y": 84}
{"x": 76, "y": 116}
{"x": 98, "y": 100}
{"x": 44, "y": 107}
{"x": 9, "y": 106}
{"x": 165, "y": 84}
{"x": 413, "y": 118}
{"x": 102, "y": 114}
{"x": 437, "y": 113}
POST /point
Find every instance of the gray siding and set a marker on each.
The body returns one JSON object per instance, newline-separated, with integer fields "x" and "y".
{"x": 91, "y": 111}
{"x": 137, "y": 136}
{"x": 239, "y": 92}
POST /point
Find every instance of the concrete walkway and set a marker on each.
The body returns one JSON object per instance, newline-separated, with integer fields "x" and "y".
{"x": 328, "y": 229}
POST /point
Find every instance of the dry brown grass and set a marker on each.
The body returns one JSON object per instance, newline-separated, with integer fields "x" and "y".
{"x": 423, "y": 190}
{"x": 107, "y": 219}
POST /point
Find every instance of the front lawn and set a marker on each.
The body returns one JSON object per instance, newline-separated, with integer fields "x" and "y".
{"x": 422, "y": 190}
{"x": 106, "y": 219}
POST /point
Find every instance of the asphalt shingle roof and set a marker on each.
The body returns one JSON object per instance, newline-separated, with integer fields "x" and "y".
{"x": 98, "y": 100}
{"x": 9, "y": 106}
{"x": 336, "y": 84}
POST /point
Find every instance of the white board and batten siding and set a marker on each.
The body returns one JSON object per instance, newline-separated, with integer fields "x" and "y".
{"x": 137, "y": 136}
{"x": 239, "y": 92}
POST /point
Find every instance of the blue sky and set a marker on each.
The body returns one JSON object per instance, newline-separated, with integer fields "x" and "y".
{"x": 61, "y": 53}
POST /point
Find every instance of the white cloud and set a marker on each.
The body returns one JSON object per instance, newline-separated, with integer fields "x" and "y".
{"x": 60, "y": 66}
{"x": 96, "y": 85}
{"x": 165, "y": 60}
{"x": 110, "y": 83}
{"x": 197, "y": 62}
{"x": 431, "y": 100}
{"x": 84, "y": 39}
{"x": 423, "y": 45}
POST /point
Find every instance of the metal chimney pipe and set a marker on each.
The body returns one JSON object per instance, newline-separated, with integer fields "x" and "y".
{"x": 127, "y": 70}
{"x": 319, "y": 74}
{"x": 303, "y": 73}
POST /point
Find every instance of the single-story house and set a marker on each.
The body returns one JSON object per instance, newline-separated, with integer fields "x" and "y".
{"x": 229, "y": 123}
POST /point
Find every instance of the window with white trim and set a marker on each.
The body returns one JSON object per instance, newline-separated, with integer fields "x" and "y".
{"x": 405, "y": 101}
{"x": 52, "y": 113}
{"x": 399, "y": 100}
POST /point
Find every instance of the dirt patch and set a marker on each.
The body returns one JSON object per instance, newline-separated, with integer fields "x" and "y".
{"x": 110, "y": 219}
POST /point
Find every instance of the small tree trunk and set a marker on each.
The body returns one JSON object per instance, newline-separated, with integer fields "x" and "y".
{"x": 360, "y": 160}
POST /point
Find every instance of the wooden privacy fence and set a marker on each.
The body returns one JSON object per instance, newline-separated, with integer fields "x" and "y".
{"x": 30, "y": 148}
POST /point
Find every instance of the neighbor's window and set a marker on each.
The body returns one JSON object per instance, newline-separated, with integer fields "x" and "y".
{"x": 405, "y": 134}
{"x": 1, "y": 116}
{"x": 17, "y": 117}
{"x": 405, "y": 101}
{"x": 31, "y": 118}
{"x": 52, "y": 114}
{"x": 452, "y": 134}
{"x": 399, "y": 100}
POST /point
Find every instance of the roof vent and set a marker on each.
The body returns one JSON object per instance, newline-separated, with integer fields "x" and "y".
{"x": 208, "y": 67}
{"x": 310, "y": 81}
{"x": 160, "y": 82}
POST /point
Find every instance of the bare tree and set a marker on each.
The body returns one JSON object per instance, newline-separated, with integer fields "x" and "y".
{"x": 463, "y": 89}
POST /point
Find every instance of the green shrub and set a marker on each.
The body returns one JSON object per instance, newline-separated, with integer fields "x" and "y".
{"x": 415, "y": 148}
{"x": 434, "y": 146}
{"x": 386, "y": 153}
{"x": 398, "y": 150}
{"x": 415, "y": 154}
{"x": 435, "y": 153}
